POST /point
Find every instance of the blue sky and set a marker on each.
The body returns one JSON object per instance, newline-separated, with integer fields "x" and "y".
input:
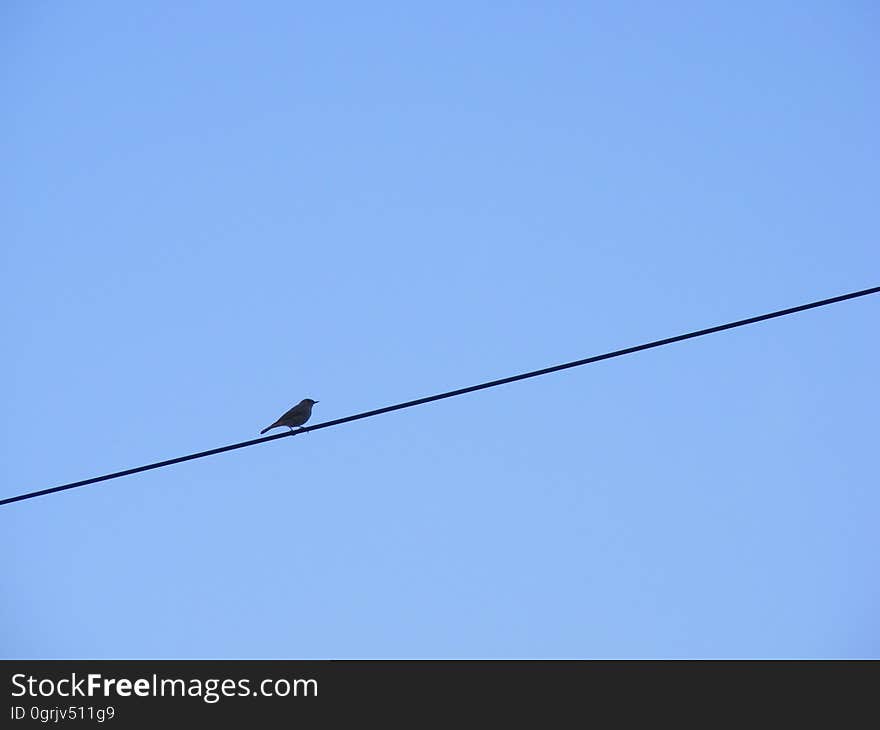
{"x": 213, "y": 210}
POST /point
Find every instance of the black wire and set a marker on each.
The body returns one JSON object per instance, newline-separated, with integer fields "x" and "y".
{"x": 453, "y": 393}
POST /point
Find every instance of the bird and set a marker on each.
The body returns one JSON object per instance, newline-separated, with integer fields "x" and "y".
{"x": 296, "y": 416}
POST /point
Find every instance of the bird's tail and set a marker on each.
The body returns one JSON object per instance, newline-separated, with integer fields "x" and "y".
{"x": 267, "y": 428}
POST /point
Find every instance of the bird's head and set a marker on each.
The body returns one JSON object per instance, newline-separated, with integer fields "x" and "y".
{"x": 309, "y": 401}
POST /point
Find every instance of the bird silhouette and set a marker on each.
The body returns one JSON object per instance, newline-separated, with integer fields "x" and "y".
{"x": 296, "y": 416}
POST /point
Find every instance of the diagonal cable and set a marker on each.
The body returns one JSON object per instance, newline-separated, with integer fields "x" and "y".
{"x": 454, "y": 393}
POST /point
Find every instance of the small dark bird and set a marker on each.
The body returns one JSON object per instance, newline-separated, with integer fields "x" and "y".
{"x": 296, "y": 416}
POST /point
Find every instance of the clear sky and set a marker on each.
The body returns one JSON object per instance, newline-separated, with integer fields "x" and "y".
{"x": 211, "y": 210}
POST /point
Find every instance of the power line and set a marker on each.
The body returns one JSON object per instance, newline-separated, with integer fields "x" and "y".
{"x": 453, "y": 393}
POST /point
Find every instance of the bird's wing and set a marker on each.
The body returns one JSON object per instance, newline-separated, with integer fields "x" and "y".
{"x": 295, "y": 411}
